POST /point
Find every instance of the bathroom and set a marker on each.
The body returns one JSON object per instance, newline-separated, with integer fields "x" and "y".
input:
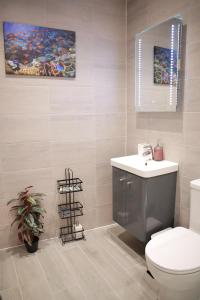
{"x": 49, "y": 123}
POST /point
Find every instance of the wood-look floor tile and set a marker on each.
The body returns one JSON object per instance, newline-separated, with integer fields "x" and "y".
{"x": 58, "y": 275}
{"x": 10, "y": 294}
{"x": 99, "y": 268}
{"x": 37, "y": 289}
{"x": 8, "y": 278}
{"x": 27, "y": 266}
{"x": 93, "y": 285}
{"x": 73, "y": 293}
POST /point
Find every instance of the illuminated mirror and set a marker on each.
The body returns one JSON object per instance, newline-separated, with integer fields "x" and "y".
{"x": 157, "y": 68}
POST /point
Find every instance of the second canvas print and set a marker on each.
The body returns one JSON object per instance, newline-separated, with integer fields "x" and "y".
{"x": 165, "y": 65}
{"x": 39, "y": 51}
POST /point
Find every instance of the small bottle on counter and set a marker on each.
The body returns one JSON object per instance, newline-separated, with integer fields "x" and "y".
{"x": 158, "y": 152}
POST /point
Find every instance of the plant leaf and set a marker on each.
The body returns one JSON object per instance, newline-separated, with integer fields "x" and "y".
{"x": 15, "y": 220}
{"x": 12, "y": 200}
{"x": 15, "y": 207}
{"x": 39, "y": 210}
{"x": 20, "y": 236}
{"x": 31, "y": 200}
{"x": 37, "y": 195}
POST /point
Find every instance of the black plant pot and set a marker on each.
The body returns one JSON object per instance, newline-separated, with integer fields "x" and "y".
{"x": 34, "y": 247}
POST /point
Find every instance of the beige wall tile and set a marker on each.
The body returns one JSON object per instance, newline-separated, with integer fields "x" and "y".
{"x": 24, "y": 99}
{"x": 14, "y": 182}
{"x": 72, "y": 101}
{"x": 70, "y": 12}
{"x": 87, "y": 197}
{"x": 104, "y": 174}
{"x": 104, "y": 194}
{"x": 192, "y": 98}
{"x": 104, "y": 215}
{"x": 112, "y": 51}
{"x": 110, "y": 126}
{"x": 47, "y": 124}
{"x": 192, "y": 61}
{"x": 5, "y": 216}
{"x": 23, "y": 128}
{"x": 85, "y": 171}
{"x": 21, "y": 156}
{"x": 89, "y": 219}
{"x": 72, "y": 128}
{"x": 109, "y": 76}
{"x": 8, "y": 237}
{"x": 112, "y": 7}
{"x": 23, "y": 11}
{"x": 109, "y": 99}
{"x": 64, "y": 153}
{"x": 191, "y": 129}
{"x": 109, "y": 148}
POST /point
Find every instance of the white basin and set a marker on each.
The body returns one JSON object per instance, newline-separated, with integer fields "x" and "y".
{"x": 135, "y": 164}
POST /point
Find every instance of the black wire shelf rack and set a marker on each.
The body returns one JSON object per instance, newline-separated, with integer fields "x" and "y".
{"x": 70, "y": 210}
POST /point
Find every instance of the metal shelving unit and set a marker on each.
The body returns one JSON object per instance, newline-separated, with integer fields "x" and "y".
{"x": 70, "y": 210}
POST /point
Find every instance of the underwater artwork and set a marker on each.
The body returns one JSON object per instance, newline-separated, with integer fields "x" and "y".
{"x": 163, "y": 57}
{"x": 39, "y": 51}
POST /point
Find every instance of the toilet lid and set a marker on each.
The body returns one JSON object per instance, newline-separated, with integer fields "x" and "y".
{"x": 175, "y": 251}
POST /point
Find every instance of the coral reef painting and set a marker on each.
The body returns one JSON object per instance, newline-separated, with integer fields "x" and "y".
{"x": 39, "y": 51}
{"x": 165, "y": 65}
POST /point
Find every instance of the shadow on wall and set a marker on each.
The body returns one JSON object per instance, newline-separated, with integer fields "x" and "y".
{"x": 167, "y": 121}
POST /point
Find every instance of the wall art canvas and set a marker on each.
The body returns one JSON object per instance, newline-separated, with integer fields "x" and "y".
{"x": 39, "y": 51}
{"x": 163, "y": 57}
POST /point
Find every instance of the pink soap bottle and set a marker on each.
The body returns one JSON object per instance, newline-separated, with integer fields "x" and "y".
{"x": 158, "y": 152}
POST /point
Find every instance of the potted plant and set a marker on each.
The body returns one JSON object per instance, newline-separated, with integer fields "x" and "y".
{"x": 29, "y": 214}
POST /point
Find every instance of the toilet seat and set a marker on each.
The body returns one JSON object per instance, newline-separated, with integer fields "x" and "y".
{"x": 176, "y": 251}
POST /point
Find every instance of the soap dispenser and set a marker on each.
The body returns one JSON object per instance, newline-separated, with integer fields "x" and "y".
{"x": 158, "y": 152}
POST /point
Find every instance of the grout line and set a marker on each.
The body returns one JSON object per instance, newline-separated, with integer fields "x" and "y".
{"x": 18, "y": 281}
{"x": 126, "y": 76}
{"x": 22, "y": 244}
{"x": 45, "y": 277}
{"x": 64, "y": 262}
{"x": 99, "y": 273}
{"x": 57, "y": 237}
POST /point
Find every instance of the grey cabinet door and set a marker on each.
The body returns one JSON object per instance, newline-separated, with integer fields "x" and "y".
{"x": 129, "y": 202}
{"x": 119, "y": 197}
{"x": 136, "y": 206}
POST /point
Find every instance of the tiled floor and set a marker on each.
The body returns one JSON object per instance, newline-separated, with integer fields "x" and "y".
{"x": 100, "y": 268}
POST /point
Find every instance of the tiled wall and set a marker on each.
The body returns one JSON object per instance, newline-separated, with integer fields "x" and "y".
{"x": 49, "y": 124}
{"x": 179, "y": 132}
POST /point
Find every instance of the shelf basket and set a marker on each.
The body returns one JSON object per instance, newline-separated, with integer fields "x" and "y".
{"x": 73, "y": 210}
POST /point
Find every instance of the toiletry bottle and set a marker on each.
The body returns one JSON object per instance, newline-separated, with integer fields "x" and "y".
{"x": 158, "y": 152}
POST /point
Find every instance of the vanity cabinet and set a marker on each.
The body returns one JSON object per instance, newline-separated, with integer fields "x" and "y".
{"x": 143, "y": 206}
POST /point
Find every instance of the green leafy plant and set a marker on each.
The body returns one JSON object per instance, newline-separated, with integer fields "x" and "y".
{"x": 29, "y": 214}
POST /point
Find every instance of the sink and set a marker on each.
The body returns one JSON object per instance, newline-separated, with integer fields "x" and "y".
{"x": 137, "y": 165}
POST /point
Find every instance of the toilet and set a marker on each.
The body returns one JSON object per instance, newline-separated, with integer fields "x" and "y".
{"x": 173, "y": 256}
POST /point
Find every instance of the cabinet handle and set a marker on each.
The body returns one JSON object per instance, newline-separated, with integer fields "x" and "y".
{"x": 129, "y": 182}
{"x": 122, "y": 179}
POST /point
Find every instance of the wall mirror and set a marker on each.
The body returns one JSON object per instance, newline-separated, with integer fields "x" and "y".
{"x": 157, "y": 66}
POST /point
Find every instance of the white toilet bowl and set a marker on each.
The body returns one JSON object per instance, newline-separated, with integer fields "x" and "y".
{"x": 173, "y": 258}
